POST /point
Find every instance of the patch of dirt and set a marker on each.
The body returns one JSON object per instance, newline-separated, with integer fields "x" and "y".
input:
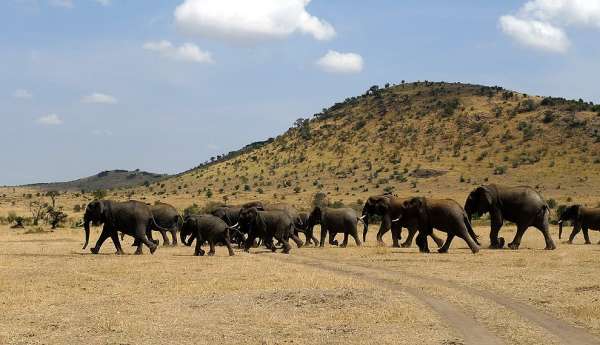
{"x": 427, "y": 173}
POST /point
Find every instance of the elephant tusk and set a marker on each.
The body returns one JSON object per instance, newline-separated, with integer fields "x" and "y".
{"x": 237, "y": 225}
{"x": 396, "y": 220}
{"x": 363, "y": 217}
{"x": 560, "y": 222}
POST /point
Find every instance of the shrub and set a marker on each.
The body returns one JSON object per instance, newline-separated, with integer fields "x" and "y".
{"x": 99, "y": 194}
{"x": 500, "y": 170}
{"x": 552, "y": 203}
{"x": 191, "y": 210}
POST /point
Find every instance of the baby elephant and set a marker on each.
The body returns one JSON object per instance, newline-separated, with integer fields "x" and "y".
{"x": 583, "y": 218}
{"x": 206, "y": 228}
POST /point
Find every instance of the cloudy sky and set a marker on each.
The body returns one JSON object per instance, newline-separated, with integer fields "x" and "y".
{"x": 91, "y": 85}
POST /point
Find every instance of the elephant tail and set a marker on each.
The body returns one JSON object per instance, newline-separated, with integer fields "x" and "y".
{"x": 471, "y": 231}
{"x": 155, "y": 224}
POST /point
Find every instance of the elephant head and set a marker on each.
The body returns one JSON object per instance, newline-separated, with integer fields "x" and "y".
{"x": 254, "y": 204}
{"x": 375, "y": 205}
{"x": 187, "y": 229}
{"x": 570, "y": 213}
{"x": 314, "y": 217}
{"x": 480, "y": 201}
{"x": 413, "y": 208}
{"x": 97, "y": 212}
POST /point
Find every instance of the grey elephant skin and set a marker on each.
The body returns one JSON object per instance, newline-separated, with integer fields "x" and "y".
{"x": 267, "y": 225}
{"x": 521, "y": 205}
{"x": 131, "y": 217}
{"x": 334, "y": 221}
{"x": 206, "y": 228}
{"x": 230, "y": 215}
{"x": 583, "y": 219}
{"x": 389, "y": 208}
{"x": 442, "y": 214}
{"x": 168, "y": 220}
{"x": 290, "y": 211}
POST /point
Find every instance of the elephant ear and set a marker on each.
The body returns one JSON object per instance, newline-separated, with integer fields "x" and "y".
{"x": 419, "y": 205}
{"x": 383, "y": 204}
{"x": 259, "y": 222}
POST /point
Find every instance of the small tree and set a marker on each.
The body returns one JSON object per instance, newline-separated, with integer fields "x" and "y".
{"x": 38, "y": 211}
{"x": 99, "y": 194}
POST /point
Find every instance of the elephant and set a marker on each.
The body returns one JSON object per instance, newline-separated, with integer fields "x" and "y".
{"x": 230, "y": 215}
{"x": 583, "y": 218}
{"x": 521, "y": 205}
{"x": 206, "y": 228}
{"x": 442, "y": 214}
{"x": 302, "y": 226}
{"x": 133, "y": 218}
{"x": 388, "y": 207}
{"x": 298, "y": 223}
{"x": 266, "y": 225}
{"x": 167, "y": 219}
{"x": 334, "y": 220}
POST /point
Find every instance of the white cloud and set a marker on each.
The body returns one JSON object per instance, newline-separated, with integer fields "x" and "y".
{"x": 343, "y": 63}
{"x": 104, "y": 2}
{"x": 187, "y": 52}
{"x": 62, "y": 3}
{"x": 50, "y": 120}
{"x": 244, "y": 20}
{"x": 536, "y": 34}
{"x": 99, "y": 98}
{"x": 22, "y": 94}
{"x": 542, "y": 24}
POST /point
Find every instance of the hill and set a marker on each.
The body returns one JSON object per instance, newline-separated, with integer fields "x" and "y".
{"x": 436, "y": 139}
{"x": 105, "y": 180}
{"x": 423, "y": 138}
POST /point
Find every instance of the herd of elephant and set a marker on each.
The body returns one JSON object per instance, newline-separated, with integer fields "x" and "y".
{"x": 255, "y": 224}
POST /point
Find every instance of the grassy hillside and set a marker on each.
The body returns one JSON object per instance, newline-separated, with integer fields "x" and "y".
{"x": 104, "y": 180}
{"x": 433, "y": 139}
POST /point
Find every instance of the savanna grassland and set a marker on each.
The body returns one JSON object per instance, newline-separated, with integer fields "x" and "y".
{"x": 432, "y": 139}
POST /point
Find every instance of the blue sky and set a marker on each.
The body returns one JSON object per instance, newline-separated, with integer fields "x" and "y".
{"x": 91, "y": 85}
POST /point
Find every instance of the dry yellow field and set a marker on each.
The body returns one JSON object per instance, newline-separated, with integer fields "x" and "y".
{"x": 52, "y": 292}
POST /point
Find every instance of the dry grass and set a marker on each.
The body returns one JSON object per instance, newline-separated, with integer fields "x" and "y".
{"x": 52, "y": 292}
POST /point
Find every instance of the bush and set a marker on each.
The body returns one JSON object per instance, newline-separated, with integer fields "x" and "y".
{"x": 500, "y": 170}
{"x": 77, "y": 208}
{"x": 99, "y": 194}
{"x": 552, "y": 203}
{"x": 191, "y": 210}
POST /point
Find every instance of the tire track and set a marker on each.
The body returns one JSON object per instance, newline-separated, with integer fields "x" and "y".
{"x": 471, "y": 331}
{"x": 568, "y": 334}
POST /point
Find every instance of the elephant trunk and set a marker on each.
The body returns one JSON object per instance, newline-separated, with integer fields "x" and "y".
{"x": 365, "y": 220}
{"x": 560, "y": 227}
{"x": 86, "y": 227}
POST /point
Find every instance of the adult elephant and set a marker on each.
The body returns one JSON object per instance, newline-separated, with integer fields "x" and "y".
{"x": 302, "y": 225}
{"x": 206, "y": 228}
{"x": 267, "y": 225}
{"x": 442, "y": 214}
{"x": 291, "y": 211}
{"x": 334, "y": 221}
{"x": 167, "y": 219}
{"x": 131, "y": 217}
{"x": 521, "y": 205}
{"x": 389, "y": 208}
{"x": 583, "y": 219}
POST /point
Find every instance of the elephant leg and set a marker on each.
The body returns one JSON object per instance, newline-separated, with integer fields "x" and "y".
{"x": 174, "y": 235}
{"x": 229, "y": 249}
{"x": 332, "y": 240}
{"x": 106, "y": 233}
{"x": 166, "y": 241}
{"x": 345, "y": 242}
{"x": 422, "y": 241}
{"x": 576, "y": 229}
{"x": 139, "y": 250}
{"x": 198, "y": 251}
{"x": 149, "y": 236}
{"x": 495, "y": 242}
{"x": 297, "y": 240}
{"x": 386, "y": 225}
{"x": 396, "y": 236}
{"x": 357, "y": 239}
{"x": 465, "y": 235}
{"x": 444, "y": 248}
{"x": 440, "y": 243}
{"x": 516, "y": 242}
{"x": 409, "y": 240}
{"x": 545, "y": 229}
{"x": 115, "y": 238}
{"x": 586, "y": 235}
{"x": 323, "y": 235}
{"x": 211, "y": 252}
{"x": 145, "y": 240}
{"x": 285, "y": 243}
